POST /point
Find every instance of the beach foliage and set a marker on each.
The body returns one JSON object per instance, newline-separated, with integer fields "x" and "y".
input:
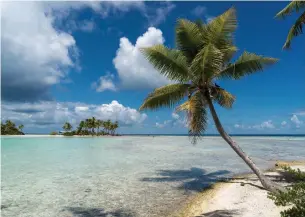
{"x": 294, "y": 197}
{"x": 204, "y": 54}
{"x": 92, "y": 126}
{"x": 297, "y": 27}
{"x": 10, "y": 128}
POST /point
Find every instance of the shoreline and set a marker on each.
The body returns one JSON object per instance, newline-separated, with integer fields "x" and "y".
{"x": 215, "y": 200}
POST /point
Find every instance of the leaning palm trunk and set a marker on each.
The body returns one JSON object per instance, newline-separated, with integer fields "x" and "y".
{"x": 268, "y": 184}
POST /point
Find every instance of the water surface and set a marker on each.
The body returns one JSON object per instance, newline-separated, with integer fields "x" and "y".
{"x": 122, "y": 176}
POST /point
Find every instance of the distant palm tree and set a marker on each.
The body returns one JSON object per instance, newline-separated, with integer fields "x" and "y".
{"x": 99, "y": 123}
{"x": 107, "y": 126}
{"x": 10, "y": 124}
{"x": 297, "y": 28}
{"x": 67, "y": 126}
{"x": 20, "y": 127}
{"x": 115, "y": 126}
{"x": 202, "y": 57}
{"x": 80, "y": 127}
{"x": 93, "y": 124}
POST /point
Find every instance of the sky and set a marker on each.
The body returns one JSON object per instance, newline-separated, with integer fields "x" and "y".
{"x": 67, "y": 61}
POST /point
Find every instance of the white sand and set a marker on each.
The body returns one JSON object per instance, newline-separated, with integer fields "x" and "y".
{"x": 234, "y": 200}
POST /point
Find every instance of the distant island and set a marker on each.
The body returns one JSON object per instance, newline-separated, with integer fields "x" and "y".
{"x": 90, "y": 127}
{"x": 10, "y": 128}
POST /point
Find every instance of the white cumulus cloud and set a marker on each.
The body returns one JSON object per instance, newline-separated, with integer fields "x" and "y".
{"x": 34, "y": 54}
{"x": 134, "y": 71}
{"x": 104, "y": 83}
{"x": 294, "y": 119}
{"x": 50, "y": 113}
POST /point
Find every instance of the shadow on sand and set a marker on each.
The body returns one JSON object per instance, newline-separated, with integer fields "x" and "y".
{"x": 99, "y": 212}
{"x": 194, "y": 179}
{"x": 219, "y": 213}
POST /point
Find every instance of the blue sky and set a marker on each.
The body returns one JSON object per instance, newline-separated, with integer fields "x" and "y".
{"x": 65, "y": 61}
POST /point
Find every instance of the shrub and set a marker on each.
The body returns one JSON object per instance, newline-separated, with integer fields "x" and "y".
{"x": 295, "y": 195}
{"x": 53, "y": 133}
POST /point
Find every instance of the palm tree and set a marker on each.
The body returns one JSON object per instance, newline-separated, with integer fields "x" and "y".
{"x": 115, "y": 126}
{"x": 106, "y": 125}
{"x": 203, "y": 56}
{"x": 99, "y": 123}
{"x": 93, "y": 124}
{"x": 67, "y": 126}
{"x": 297, "y": 28}
{"x": 10, "y": 124}
{"x": 80, "y": 127}
{"x": 20, "y": 127}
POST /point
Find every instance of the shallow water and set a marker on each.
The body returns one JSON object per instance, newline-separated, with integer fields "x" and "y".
{"x": 122, "y": 176}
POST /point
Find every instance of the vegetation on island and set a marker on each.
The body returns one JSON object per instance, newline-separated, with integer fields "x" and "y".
{"x": 92, "y": 126}
{"x": 297, "y": 27}
{"x": 10, "y": 128}
{"x": 203, "y": 55}
{"x": 294, "y": 196}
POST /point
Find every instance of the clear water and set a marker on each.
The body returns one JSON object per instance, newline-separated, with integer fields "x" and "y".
{"x": 122, "y": 176}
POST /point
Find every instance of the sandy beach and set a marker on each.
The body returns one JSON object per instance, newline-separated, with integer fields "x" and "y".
{"x": 242, "y": 196}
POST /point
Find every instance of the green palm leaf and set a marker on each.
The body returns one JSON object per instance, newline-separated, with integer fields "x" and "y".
{"x": 168, "y": 62}
{"x": 291, "y": 7}
{"x": 246, "y": 64}
{"x": 295, "y": 30}
{"x": 196, "y": 115}
{"x": 166, "y": 96}
{"x": 208, "y": 61}
{"x": 188, "y": 38}
{"x": 222, "y": 97}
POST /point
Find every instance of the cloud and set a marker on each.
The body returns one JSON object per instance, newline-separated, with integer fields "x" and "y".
{"x": 34, "y": 55}
{"x": 175, "y": 116}
{"x": 294, "y": 119}
{"x": 56, "y": 113}
{"x": 37, "y": 52}
{"x": 267, "y": 124}
{"x": 134, "y": 71}
{"x": 264, "y": 125}
{"x": 199, "y": 11}
{"x": 299, "y": 113}
{"x": 104, "y": 83}
{"x": 177, "y": 121}
{"x": 284, "y": 123}
{"x": 157, "y": 16}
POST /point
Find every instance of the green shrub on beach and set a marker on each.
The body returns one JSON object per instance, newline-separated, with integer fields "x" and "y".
{"x": 54, "y": 133}
{"x": 10, "y": 128}
{"x": 294, "y": 196}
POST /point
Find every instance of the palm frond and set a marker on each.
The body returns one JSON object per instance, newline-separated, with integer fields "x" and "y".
{"x": 196, "y": 115}
{"x": 225, "y": 24}
{"x": 166, "y": 96}
{"x": 222, "y": 97}
{"x": 188, "y": 38}
{"x": 220, "y": 32}
{"x": 295, "y": 30}
{"x": 246, "y": 64}
{"x": 208, "y": 61}
{"x": 291, "y": 7}
{"x": 169, "y": 62}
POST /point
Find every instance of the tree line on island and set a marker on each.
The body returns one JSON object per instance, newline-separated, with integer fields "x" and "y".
{"x": 10, "y": 128}
{"x": 91, "y": 126}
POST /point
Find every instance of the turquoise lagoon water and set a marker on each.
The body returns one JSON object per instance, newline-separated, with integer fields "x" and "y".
{"x": 122, "y": 176}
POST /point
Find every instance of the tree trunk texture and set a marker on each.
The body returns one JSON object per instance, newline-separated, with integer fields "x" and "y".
{"x": 267, "y": 183}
